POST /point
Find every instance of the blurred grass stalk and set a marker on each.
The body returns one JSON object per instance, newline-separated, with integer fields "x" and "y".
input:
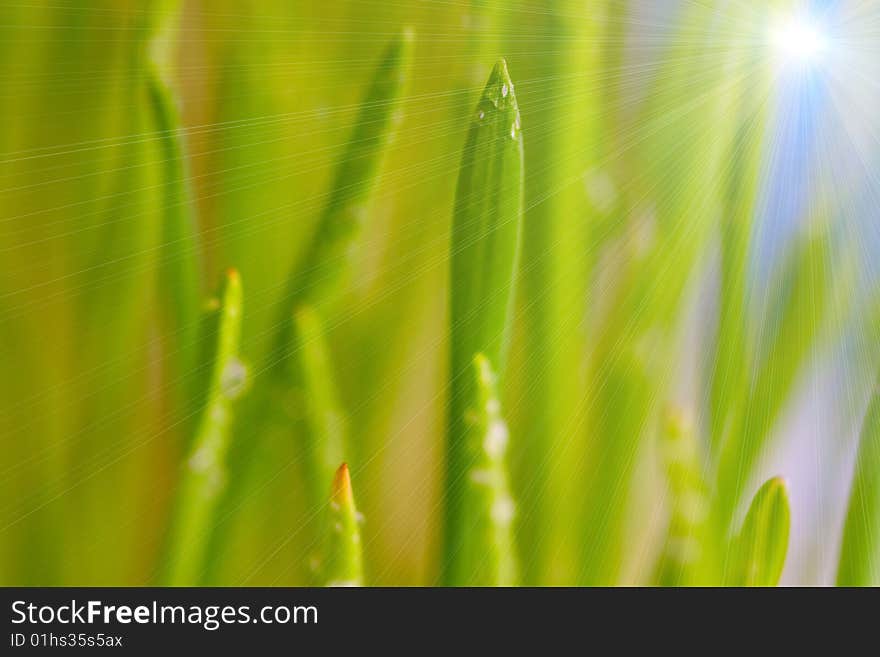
{"x": 90, "y": 288}
{"x": 672, "y": 196}
{"x": 860, "y": 551}
{"x": 564, "y": 105}
{"x": 478, "y": 537}
{"x": 690, "y": 555}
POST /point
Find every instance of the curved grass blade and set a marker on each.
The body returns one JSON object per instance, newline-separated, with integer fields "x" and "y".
{"x": 860, "y": 551}
{"x": 758, "y": 552}
{"x": 180, "y": 280}
{"x": 343, "y": 565}
{"x": 318, "y": 280}
{"x": 485, "y": 246}
{"x": 204, "y": 472}
{"x": 180, "y": 263}
{"x": 324, "y": 421}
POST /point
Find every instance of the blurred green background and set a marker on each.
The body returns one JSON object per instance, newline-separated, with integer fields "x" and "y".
{"x": 697, "y": 243}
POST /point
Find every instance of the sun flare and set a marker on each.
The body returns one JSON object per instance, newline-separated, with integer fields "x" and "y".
{"x": 798, "y": 39}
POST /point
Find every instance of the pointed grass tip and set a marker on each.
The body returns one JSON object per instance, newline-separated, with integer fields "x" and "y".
{"x": 341, "y": 493}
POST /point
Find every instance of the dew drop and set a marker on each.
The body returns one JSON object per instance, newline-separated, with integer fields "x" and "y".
{"x": 201, "y": 460}
{"x": 504, "y": 90}
{"x": 234, "y": 379}
{"x": 496, "y": 439}
{"x": 503, "y": 510}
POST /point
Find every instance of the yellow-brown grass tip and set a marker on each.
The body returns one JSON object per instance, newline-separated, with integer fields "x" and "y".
{"x": 341, "y": 493}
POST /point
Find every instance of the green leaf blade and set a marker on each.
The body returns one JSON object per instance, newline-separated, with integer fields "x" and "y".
{"x": 486, "y": 226}
{"x": 485, "y": 246}
{"x": 204, "y": 474}
{"x": 859, "y": 563}
{"x": 180, "y": 277}
{"x": 758, "y": 553}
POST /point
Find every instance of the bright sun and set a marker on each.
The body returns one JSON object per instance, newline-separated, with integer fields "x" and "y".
{"x": 798, "y": 40}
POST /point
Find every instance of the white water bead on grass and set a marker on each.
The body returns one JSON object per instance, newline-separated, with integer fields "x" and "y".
{"x": 343, "y": 583}
{"x": 493, "y": 407}
{"x": 495, "y": 442}
{"x": 233, "y": 379}
{"x": 202, "y": 459}
{"x": 503, "y": 510}
{"x": 481, "y": 476}
{"x": 219, "y": 414}
{"x": 515, "y": 127}
{"x": 204, "y": 462}
{"x": 472, "y": 418}
{"x": 601, "y": 190}
{"x": 684, "y": 549}
{"x": 643, "y": 232}
{"x": 504, "y": 90}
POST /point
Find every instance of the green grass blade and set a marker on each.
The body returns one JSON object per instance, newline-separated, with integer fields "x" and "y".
{"x": 485, "y": 245}
{"x": 860, "y": 551}
{"x": 480, "y": 548}
{"x": 204, "y": 473}
{"x": 758, "y": 552}
{"x": 180, "y": 263}
{"x": 324, "y": 421}
{"x": 343, "y": 565}
{"x": 180, "y": 278}
{"x": 486, "y": 227}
